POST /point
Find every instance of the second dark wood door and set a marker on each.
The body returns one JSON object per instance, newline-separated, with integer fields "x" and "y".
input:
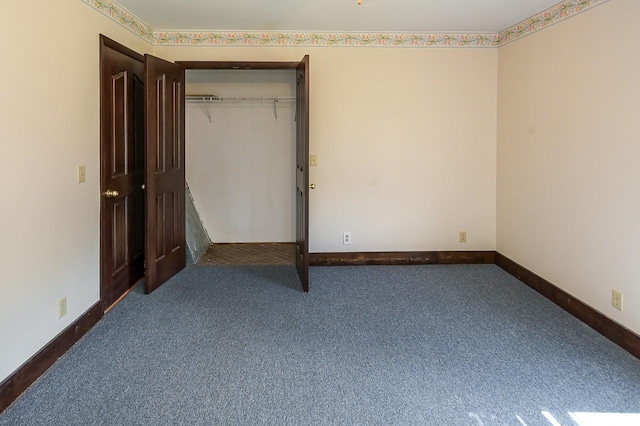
{"x": 302, "y": 172}
{"x": 165, "y": 171}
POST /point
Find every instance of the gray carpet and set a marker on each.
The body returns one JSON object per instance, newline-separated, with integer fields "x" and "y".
{"x": 411, "y": 345}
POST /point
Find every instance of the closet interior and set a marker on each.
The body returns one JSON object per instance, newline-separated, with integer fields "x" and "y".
{"x": 240, "y": 163}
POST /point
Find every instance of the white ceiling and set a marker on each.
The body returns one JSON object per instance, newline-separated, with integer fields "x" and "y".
{"x": 414, "y": 16}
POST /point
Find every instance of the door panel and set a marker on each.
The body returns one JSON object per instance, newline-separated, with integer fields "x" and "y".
{"x": 120, "y": 123}
{"x": 121, "y": 216}
{"x": 120, "y": 234}
{"x": 165, "y": 173}
{"x": 302, "y": 172}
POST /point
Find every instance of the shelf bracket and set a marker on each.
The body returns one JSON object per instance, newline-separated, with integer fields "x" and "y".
{"x": 206, "y": 109}
{"x": 275, "y": 108}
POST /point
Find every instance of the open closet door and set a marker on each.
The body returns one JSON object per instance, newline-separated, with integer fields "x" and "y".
{"x": 302, "y": 172}
{"x": 165, "y": 171}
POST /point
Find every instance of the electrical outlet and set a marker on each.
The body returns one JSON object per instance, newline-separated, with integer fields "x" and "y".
{"x": 616, "y": 299}
{"x": 313, "y": 160}
{"x": 82, "y": 175}
{"x": 463, "y": 236}
{"x": 346, "y": 238}
{"x": 62, "y": 307}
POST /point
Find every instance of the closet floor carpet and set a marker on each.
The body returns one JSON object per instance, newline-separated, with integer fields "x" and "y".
{"x": 249, "y": 254}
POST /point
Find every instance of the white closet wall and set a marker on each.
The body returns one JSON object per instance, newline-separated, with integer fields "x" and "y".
{"x": 241, "y": 165}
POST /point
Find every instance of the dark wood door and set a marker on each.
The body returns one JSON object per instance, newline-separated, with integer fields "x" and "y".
{"x": 165, "y": 171}
{"x": 121, "y": 169}
{"x": 302, "y": 172}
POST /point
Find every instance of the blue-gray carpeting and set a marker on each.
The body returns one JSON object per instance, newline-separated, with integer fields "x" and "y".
{"x": 410, "y": 345}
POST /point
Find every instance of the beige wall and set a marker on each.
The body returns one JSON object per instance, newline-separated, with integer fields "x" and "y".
{"x": 49, "y": 124}
{"x": 568, "y": 148}
{"x": 405, "y": 140}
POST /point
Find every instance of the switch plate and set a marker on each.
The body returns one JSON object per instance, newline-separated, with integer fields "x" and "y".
{"x": 346, "y": 238}
{"x": 62, "y": 307}
{"x": 82, "y": 174}
{"x": 616, "y": 299}
{"x": 313, "y": 160}
{"x": 463, "y": 236}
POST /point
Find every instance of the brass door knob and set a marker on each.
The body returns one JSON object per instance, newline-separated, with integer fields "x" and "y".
{"x": 312, "y": 186}
{"x": 111, "y": 193}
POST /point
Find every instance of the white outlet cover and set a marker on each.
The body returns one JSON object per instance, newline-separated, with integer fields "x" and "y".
{"x": 346, "y": 238}
{"x": 616, "y": 300}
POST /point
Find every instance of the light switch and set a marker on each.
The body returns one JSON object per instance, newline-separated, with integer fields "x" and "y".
{"x": 82, "y": 175}
{"x": 313, "y": 160}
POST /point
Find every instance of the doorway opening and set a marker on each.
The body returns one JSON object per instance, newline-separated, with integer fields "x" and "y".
{"x": 300, "y": 76}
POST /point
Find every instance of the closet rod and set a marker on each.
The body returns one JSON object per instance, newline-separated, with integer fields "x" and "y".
{"x": 212, "y": 98}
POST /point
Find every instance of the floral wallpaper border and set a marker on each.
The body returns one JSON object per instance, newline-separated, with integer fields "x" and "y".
{"x": 324, "y": 39}
{"x": 542, "y": 20}
{"x": 123, "y": 17}
{"x": 553, "y": 15}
